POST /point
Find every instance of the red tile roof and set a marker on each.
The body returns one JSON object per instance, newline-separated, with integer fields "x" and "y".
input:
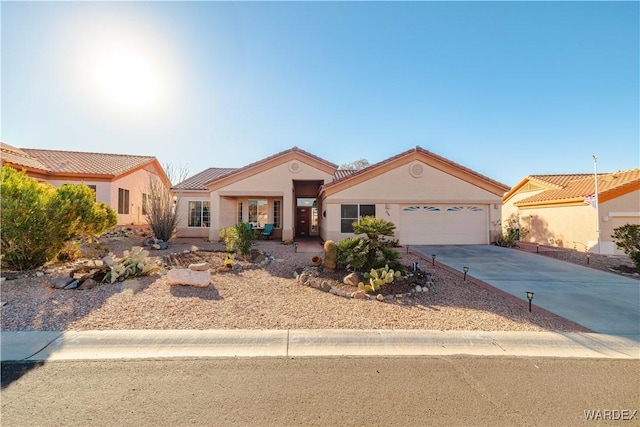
{"x": 418, "y": 149}
{"x": 59, "y": 162}
{"x": 17, "y": 157}
{"x": 202, "y": 179}
{"x": 558, "y": 180}
{"x": 582, "y": 186}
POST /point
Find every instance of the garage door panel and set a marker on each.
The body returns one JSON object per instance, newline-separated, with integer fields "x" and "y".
{"x": 443, "y": 224}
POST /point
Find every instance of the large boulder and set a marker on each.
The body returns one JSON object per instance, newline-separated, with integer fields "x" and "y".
{"x": 186, "y": 277}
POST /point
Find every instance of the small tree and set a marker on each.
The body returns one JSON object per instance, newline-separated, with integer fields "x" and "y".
{"x": 513, "y": 232}
{"x": 37, "y": 218}
{"x": 374, "y": 251}
{"x": 161, "y": 211}
{"x": 627, "y": 238}
{"x": 357, "y": 164}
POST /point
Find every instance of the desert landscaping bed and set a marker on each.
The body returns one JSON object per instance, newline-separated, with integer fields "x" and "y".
{"x": 259, "y": 293}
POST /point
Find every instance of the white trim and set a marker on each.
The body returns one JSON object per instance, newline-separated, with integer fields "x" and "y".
{"x": 250, "y": 193}
{"x": 624, "y": 213}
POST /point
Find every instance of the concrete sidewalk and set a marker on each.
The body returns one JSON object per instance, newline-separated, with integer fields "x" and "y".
{"x": 151, "y": 344}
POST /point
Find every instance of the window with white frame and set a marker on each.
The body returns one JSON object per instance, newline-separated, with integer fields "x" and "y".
{"x": 258, "y": 213}
{"x": 277, "y": 213}
{"x": 351, "y": 213}
{"x": 199, "y": 214}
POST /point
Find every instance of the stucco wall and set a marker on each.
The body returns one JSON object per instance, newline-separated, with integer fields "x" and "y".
{"x": 398, "y": 185}
{"x": 390, "y": 190}
{"x": 567, "y": 226}
{"x": 575, "y": 226}
{"x": 103, "y": 189}
{"x": 276, "y": 182}
{"x": 183, "y": 230}
{"x": 107, "y": 192}
{"x": 616, "y": 213}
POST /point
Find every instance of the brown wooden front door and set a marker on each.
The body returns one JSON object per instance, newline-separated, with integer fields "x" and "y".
{"x": 302, "y": 221}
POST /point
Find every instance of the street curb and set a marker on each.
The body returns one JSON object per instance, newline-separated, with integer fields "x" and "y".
{"x": 158, "y": 344}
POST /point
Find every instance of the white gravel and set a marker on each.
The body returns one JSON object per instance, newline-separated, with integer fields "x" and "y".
{"x": 257, "y": 298}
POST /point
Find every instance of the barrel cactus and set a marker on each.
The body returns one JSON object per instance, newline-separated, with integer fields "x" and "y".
{"x": 330, "y": 255}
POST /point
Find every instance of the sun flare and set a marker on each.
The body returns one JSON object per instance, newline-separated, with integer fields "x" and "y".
{"x": 127, "y": 79}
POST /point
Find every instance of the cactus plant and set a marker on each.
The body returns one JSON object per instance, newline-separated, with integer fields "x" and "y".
{"x": 377, "y": 278}
{"x": 134, "y": 263}
{"x": 330, "y": 255}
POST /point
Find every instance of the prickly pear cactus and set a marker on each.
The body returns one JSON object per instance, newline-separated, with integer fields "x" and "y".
{"x": 330, "y": 255}
{"x": 377, "y": 278}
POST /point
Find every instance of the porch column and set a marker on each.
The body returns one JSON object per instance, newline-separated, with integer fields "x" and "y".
{"x": 214, "y": 216}
{"x": 288, "y": 215}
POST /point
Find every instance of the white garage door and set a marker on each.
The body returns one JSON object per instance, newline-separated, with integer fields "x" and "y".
{"x": 444, "y": 224}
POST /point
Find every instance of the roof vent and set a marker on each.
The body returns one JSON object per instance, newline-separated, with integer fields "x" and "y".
{"x": 294, "y": 167}
{"x": 416, "y": 170}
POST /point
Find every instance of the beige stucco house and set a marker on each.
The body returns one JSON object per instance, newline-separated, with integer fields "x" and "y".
{"x": 430, "y": 199}
{"x": 119, "y": 180}
{"x": 560, "y": 210}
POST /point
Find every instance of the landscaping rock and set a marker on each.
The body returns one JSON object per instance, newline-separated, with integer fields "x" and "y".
{"x": 353, "y": 279}
{"x": 360, "y": 295}
{"x": 60, "y": 282}
{"x": 181, "y": 276}
{"x": 201, "y": 266}
{"x": 72, "y": 285}
{"x": 87, "y": 284}
{"x": 325, "y": 286}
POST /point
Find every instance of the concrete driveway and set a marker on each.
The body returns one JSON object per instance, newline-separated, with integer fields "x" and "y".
{"x": 603, "y": 302}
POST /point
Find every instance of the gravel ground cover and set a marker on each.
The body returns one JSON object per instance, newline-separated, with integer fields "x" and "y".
{"x": 254, "y": 296}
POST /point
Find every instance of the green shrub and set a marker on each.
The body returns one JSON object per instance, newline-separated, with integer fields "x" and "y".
{"x": 37, "y": 218}
{"x": 512, "y": 232}
{"x": 70, "y": 251}
{"x": 627, "y": 238}
{"x": 374, "y": 251}
{"x": 238, "y": 238}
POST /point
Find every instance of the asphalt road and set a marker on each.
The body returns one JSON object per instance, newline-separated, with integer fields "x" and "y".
{"x": 408, "y": 391}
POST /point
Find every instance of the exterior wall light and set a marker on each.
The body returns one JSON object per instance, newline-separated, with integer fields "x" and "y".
{"x": 537, "y": 247}
{"x": 529, "y": 297}
{"x": 433, "y": 259}
{"x": 588, "y": 259}
{"x": 465, "y": 269}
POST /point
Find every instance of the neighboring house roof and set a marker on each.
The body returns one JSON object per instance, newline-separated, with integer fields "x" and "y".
{"x": 577, "y": 188}
{"x": 206, "y": 178}
{"x": 344, "y": 173}
{"x": 18, "y": 157}
{"x": 418, "y": 153}
{"x": 542, "y": 182}
{"x": 65, "y": 164}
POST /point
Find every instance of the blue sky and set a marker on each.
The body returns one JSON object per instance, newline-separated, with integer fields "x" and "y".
{"x": 504, "y": 88}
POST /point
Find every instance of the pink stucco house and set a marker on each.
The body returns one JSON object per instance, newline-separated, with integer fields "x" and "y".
{"x": 559, "y": 210}
{"x": 119, "y": 180}
{"x": 430, "y": 199}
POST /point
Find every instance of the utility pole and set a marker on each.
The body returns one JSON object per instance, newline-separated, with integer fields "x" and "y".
{"x": 595, "y": 178}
